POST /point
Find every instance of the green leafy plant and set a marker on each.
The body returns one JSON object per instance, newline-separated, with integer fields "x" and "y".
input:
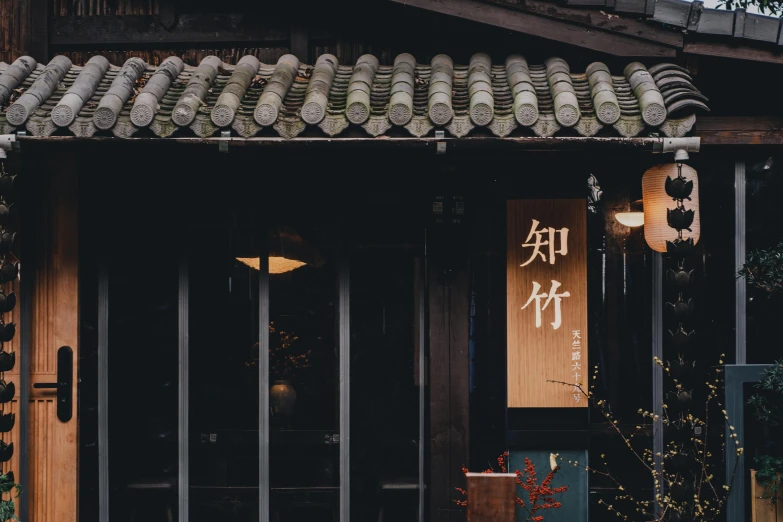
{"x": 7, "y": 506}
{"x": 768, "y": 473}
{"x": 763, "y": 269}
{"x": 767, "y": 406}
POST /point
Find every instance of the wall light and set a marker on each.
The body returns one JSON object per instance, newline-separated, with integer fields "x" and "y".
{"x": 634, "y": 217}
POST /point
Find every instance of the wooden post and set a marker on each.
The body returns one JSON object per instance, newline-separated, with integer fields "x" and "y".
{"x": 763, "y": 509}
{"x": 449, "y": 378}
{"x": 522, "y": 89}
{"x": 314, "y": 108}
{"x": 403, "y": 83}
{"x": 147, "y": 102}
{"x": 40, "y": 91}
{"x": 196, "y": 91}
{"x": 121, "y": 90}
{"x": 14, "y": 75}
{"x": 228, "y": 102}
{"x": 81, "y": 91}
{"x": 271, "y": 100}
{"x": 491, "y": 497}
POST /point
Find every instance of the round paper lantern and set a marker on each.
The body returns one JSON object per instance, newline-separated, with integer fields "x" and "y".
{"x": 671, "y": 208}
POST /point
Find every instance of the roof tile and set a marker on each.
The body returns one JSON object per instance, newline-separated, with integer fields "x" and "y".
{"x": 512, "y": 97}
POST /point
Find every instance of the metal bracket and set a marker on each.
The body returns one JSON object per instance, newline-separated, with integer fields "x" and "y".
{"x": 679, "y": 146}
{"x": 223, "y": 143}
{"x": 441, "y": 145}
{"x": 7, "y": 142}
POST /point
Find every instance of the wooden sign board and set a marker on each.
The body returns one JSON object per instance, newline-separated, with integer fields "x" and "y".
{"x": 546, "y": 276}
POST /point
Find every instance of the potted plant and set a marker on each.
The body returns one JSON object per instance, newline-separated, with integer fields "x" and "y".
{"x": 767, "y": 407}
{"x": 286, "y": 359}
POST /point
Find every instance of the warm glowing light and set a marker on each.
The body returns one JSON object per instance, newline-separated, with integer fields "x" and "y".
{"x": 277, "y": 265}
{"x": 630, "y": 219}
{"x": 658, "y": 205}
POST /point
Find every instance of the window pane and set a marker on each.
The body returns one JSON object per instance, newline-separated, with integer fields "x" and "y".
{"x": 224, "y": 399}
{"x": 386, "y": 278}
{"x": 303, "y": 360}
{"x": 143, "y": 367}
{"x": 764, "y": 213}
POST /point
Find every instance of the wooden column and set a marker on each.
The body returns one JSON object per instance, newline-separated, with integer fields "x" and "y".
{"x": 449, "y": 299}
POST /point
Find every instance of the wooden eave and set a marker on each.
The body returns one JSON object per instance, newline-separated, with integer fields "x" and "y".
{"x": 642, "y": 28}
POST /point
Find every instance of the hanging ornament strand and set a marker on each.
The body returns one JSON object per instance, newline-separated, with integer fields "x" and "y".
{"x": 8, "y": 275}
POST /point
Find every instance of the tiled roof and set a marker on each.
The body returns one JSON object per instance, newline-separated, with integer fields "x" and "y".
{"x": 693, "y": 17}
{"x": 406, "y": 98}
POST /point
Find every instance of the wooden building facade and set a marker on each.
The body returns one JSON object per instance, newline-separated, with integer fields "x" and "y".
{"x": 266, "y": 251}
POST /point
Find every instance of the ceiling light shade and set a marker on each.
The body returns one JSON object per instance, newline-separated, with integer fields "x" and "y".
{"x": 277, "y": 265}
{"x": 287, "y": 252}
{"x": 633, "y": 217}
{"x": 672, "y": 219}
{"x": 630, "y": 219}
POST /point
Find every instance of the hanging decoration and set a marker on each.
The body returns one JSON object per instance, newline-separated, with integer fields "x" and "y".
{"x": 9, "y": 270}
{"x": 671, "y": 208}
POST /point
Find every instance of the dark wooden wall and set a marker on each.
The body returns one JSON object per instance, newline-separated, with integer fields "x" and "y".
{"x": 156, "y": 29}
{"x": 15, "y": 29}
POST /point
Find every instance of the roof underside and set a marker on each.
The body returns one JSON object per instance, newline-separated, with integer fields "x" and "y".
{"x": 291, "y": 100}
{"x": 660, "y": 28}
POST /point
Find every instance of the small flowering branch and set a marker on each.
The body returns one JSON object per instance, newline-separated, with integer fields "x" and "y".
{"x": 539, "y": 496}
{"x": 677, "y": 493}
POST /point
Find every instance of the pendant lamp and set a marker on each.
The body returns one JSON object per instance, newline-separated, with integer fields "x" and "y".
{"x": 287, "y": 252}
{"x": 672, "y": 221}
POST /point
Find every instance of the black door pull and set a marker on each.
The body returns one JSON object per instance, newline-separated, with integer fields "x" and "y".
{"x": 64, "y": 384}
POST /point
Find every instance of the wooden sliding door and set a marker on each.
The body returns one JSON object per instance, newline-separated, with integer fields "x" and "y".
{"x": 51, "y": 488}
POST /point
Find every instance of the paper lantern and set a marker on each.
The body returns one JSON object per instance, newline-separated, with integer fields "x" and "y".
{"x": 671, "y": 208}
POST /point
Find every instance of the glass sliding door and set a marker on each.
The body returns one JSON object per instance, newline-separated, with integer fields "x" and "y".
{"x": 223, "y": 384}
{"x": 303, "y": 387}
{"x": 387, "y": 346}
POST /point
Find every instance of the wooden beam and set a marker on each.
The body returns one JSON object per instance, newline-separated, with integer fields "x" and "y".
{"x": 598, "y": 19}
{"x": 740, "y": 130}
{"x": 300, "y": 43}
{"x": 39, "y": 30}
{"x": 739, "y": 52}
{"x": 142, "y": 29}
{"x": 548, "y": 28}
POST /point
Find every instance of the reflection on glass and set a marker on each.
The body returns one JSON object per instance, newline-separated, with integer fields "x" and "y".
{"x": 143, "y": 365}
{"x": 764, "y": 213}
{"x": 224, "y": 400}
{"x": 303, "y": 393}
{"x": 384, "y": 383}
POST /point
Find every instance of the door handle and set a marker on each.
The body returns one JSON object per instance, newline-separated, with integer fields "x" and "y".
{"x": 64, "y": 384}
